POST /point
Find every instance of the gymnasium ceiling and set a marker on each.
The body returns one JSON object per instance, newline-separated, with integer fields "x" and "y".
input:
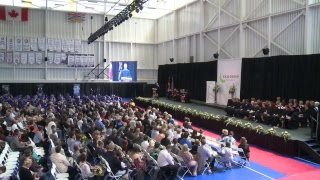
{"x": 153, "y": 9}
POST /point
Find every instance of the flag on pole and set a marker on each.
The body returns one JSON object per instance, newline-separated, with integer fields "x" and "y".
{"x": 13, "y": 13}
{"x": 168, "y": 83}
{"x": 172, "y": 85}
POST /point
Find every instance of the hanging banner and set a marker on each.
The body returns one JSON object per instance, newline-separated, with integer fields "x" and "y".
{"x": 84, "y": 60}
{"x": 57, "y": 45}
{"x": 57, "y": 58}
{"x": 64, "y": 45}
{"x": 50, "y": 58}
{"x": 39, "y": 58}
{"x": 77, "y": 46}
{"x": 90, "y": 60}
{"x": 26, "y": 44}
{"x": 64, "y": 58}
{"x": 16, "y": 58}
{"x": 77, "y": 60}
{"x": 24, "y": 58}
{"x": 33, "y": 44}
{"x": 18, "y": 44}
{"x": 41, "y": 44}
{"x": 2, "y": 56}
{"x": 9, "y": 56}
{"x": 210, "y": 97}
{"x": 3, "y": 42}
{"x": 10, "y": 43}
{"x": 229, "y": 74}
{"x": 76, "y": 90}
{"x": 31, "y": 58}
{"x": 71, "y": 45}
{"x": 71, "y": 60}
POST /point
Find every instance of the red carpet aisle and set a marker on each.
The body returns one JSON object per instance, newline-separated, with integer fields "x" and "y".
{"x": 288, "y": 166}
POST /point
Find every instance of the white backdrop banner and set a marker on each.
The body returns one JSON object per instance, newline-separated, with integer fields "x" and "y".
{"x": 210, "y": 93}
{"x": 229, "y": 73}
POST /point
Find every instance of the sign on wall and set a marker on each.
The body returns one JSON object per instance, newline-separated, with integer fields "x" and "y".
{"x": 229, "y": 73}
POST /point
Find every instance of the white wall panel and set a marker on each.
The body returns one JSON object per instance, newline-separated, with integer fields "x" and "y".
{"x": 230, "y": 42}
{"x": 198, "y": 50}
{"x": 63, "y": 73}
{"x": 188, "y": 19}
{"x": 256, "y": 8}
{"x": 292, "y": 37}
{"x": 315, "y": 29}
{"x": 181, "y": 51}
{"x": 161, "y": 58}
{"x": 254, "y": 43}
{"x": 193, "y": 47}
{"x": 120, "y": 52}
{"x": 209, "y": 50}
{"x": 165, "y": 28}
{"x": 30, "y": 73}
{"x": 142, "y": 30}
{"x": 232, "y": 7}
{"x": 144, "y": 55}
{"x": 210, "y": 11}
{"x": 6, "y": 74}
{"x": 284, "y": 5}
{"x": 6, "y": 28}
{"x": 34, "y": 27}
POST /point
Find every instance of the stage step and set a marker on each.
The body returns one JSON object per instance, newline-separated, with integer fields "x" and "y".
{"x": 310, "y": 147}
{"x": 314, "y": 145}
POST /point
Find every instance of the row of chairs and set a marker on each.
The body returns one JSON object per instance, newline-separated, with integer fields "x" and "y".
{"x": 11, "y": 160}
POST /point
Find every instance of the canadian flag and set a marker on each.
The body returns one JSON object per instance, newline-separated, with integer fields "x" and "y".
{"x": 13, "y": 13}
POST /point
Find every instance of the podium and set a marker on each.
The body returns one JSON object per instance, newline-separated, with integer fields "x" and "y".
{"x": 154, "y": 93}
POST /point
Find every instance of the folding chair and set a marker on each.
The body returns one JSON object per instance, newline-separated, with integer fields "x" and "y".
{"x": 60, "y": 176}
{"x": 243, "y": 157}
{"x": 184, "y": 167}
{"x": 206, "y": 163}
{"x": 110, "y": 173}
{"x": 222, "y": 165}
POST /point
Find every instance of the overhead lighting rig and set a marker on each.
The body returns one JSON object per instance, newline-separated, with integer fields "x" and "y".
{"x": 125, "y": 14}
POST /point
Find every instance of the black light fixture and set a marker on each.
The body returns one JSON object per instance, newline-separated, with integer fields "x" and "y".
{"x": 125, "y": 14}
{"x": 171, "y": 59}
{"x": 104, "y": 60}
{"x": 265, "y": 51}
{"x": 216, "y": 55}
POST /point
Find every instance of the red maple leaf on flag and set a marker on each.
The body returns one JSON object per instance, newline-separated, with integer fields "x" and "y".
{"x": 13, "y": 13}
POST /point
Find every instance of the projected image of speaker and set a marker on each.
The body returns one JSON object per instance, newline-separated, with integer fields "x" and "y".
{"x": 124, "y": 71}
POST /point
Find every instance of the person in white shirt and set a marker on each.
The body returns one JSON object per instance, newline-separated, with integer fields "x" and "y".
{"x": 170, "y": 131}
{"x": 178, "y": 135}
{"x": 166, "y": 163}
{"x": 145, "y": 144}
{"x": 226, "y": 155}
{"x": 154, "y": 133}
{"x": 48, "y": 128}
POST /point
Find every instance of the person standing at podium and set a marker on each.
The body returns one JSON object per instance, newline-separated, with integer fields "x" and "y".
{"x": 124, "y": 74}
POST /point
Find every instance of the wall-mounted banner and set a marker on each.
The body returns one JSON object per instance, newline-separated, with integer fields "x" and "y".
{"x": 229, "y": 73}
{"x": 76, "y": 90}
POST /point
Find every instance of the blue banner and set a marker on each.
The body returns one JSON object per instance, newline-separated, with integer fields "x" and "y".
{"x": 76, "y": 90}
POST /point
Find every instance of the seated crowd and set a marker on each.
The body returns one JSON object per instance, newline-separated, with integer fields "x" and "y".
{"x": 289, "y": 115}
{"x": 88, "y": 136}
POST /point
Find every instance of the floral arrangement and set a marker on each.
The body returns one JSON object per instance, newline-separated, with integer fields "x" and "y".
{"x": 216, "y": 88}
{"x": 259, "y": 129}
{"x": 195, "y": 113}
{"x": 286, "y": 136}
{"x": 205, "y": 115}
{"x": 229, "y": 121}
{"x": 232, "y": 89}
{"x": 238, "y": 123}
{"x": 271, "y": 131}
{"x": 248, "y": 126}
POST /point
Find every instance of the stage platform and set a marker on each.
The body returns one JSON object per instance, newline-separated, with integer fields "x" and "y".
{"x": 301, "y": 134}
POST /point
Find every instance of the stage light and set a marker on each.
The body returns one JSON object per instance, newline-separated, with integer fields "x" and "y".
{"x": 216, "y": 55}
{"x": 106, "y": 19}
{"x": 130, "y": 15}
{"x": 265, "y": 51}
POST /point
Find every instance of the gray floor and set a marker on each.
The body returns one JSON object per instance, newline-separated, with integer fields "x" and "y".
{"x": 298, "y": 134}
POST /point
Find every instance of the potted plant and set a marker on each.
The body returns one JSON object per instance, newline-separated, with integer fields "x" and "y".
{"x": 216, "y": 89}
{"x": 232, "y": 90}
{"x": 286, "y": 136}
{"x": 259, "y": 129}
